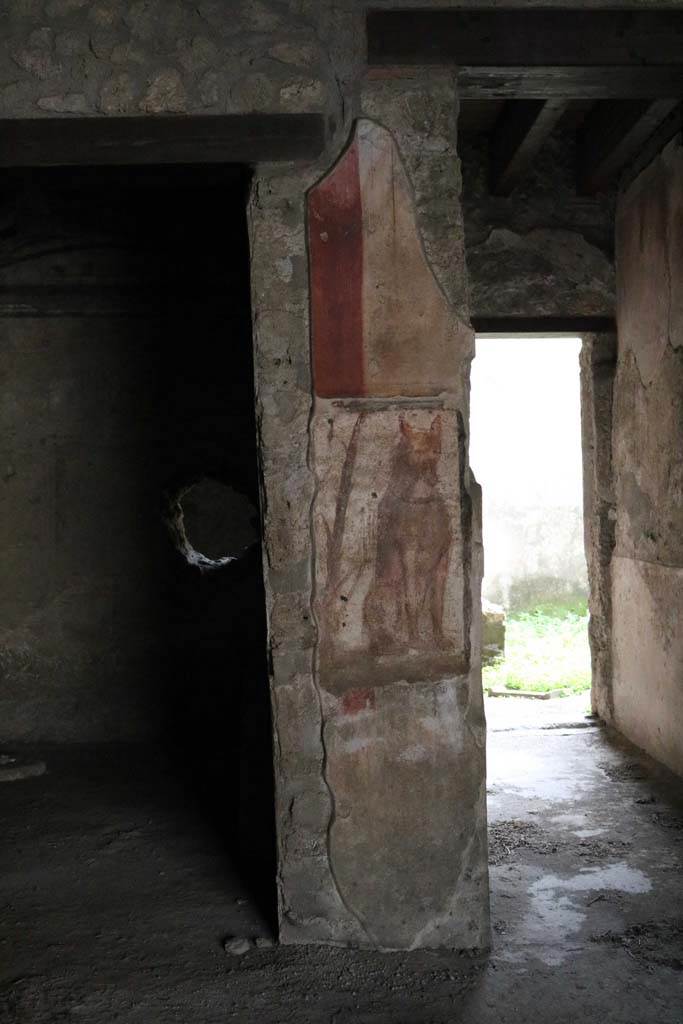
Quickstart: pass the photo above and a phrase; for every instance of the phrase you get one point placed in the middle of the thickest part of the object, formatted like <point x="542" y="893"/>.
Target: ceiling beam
<point x="585" y="83"/>
<point x="670" y="127"/>
<point x="612" y="134"/>
<point x="537" y="54"/>
<point x="532" y="37"/>
<point x="106" y="141"/>
<point x="521" y="129"/>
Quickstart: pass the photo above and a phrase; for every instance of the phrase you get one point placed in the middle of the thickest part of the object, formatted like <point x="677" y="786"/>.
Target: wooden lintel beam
<point x="521" y="129"/>
<point x="614" y="133"/>
<point x="107" y="141"/>
<point x="543" y="325"/>
<point x="525" y="37"/>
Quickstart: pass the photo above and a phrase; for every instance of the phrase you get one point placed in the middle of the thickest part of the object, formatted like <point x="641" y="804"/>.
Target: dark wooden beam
<point x="585" y="83"/>
<point x="670" y="127"/>
<point x="543" y="324"/>
<point x="530" y="37"/>
<point x="614" y="133"/>
<point x="534" y="53"/>
<point x="521" y="129"/>
<point x="101" y="141"/>
<point x="155" y="177"/>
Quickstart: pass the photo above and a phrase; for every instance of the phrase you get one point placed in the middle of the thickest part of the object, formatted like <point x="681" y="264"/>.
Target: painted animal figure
<point x="404" y="606"/>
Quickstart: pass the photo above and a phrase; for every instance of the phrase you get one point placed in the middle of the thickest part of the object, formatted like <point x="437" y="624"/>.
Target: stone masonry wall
<point x="117" y="57"/>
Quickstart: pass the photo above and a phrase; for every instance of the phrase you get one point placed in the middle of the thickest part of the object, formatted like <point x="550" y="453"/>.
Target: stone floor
<point x="115" y="899"/>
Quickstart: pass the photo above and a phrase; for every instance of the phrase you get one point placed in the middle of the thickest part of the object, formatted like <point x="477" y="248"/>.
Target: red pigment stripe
<point x="335" y="246"/>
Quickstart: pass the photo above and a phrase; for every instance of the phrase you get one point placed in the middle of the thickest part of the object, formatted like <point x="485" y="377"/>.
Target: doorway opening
<point x="134" y="610"/>
<point x="526" y="454"/>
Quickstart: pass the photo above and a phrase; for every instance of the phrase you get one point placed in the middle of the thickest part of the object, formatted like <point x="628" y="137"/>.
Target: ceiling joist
<point x="671" y="126"/>
<point x="612" y="135"/>
<point x="518" y="135"/>
<point x="630" y="63"/>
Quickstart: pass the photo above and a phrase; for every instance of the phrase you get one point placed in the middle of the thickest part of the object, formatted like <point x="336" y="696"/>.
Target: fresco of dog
<point x="404" y="606"/>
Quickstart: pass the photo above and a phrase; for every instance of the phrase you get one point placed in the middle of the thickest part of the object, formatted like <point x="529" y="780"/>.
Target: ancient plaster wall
<point x="368" y="738"/>
<point x="543" y="250"/>
<point x="598" y="362"/>
<point x="647" y="568"/>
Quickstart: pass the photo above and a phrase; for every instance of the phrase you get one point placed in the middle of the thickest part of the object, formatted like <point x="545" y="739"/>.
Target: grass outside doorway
<point x="546" y="648"/>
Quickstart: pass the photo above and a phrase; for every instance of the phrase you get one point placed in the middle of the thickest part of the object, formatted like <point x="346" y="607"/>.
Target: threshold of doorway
<point x="494" y="691"/>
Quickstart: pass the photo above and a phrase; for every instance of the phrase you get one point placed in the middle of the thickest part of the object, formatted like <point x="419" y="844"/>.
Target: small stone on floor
<point x="236" y="946"/>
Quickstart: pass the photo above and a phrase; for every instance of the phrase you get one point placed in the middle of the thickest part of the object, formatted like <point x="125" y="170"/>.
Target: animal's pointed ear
<point x="435" y="429"/>
<point x="406" y="429"/>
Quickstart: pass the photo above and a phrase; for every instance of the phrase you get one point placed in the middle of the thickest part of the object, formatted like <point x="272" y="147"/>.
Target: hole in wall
<point x="212" y="524"/>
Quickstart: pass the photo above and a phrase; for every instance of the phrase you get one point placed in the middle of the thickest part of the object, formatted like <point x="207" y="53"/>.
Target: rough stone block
<point x="211" y="89"/>
<point x="493" y="631"/>
<point x="38" y="61"/>
<point x="71" y="103"/>
<point x="69" y="44"/>
<point x="165" y="94"/>
<point x="198" y="54"/>
<point x="303" y="94"/>
<point x="253" y="93"/>
<point x="117" y="95"/>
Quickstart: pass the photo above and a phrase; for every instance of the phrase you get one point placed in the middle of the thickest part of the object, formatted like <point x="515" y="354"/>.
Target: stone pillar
<point x="372" y="569"/>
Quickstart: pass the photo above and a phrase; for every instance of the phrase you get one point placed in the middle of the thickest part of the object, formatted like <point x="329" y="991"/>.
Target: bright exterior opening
<point x="525" y="451"/>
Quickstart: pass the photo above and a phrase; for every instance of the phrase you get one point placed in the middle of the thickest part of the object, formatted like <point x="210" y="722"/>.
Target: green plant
<point x="546" y="648"/>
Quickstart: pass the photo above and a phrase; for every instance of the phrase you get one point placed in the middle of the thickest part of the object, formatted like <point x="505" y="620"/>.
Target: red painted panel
<point x="335" y="246"/>
<point x="355" y="701"/>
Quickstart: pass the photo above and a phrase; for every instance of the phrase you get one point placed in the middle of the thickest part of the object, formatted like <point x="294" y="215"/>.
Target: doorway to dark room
<point x="130" y="445"/>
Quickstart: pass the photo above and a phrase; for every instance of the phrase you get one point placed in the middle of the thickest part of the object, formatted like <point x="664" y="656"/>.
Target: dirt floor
<point x="116" y="899"/>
